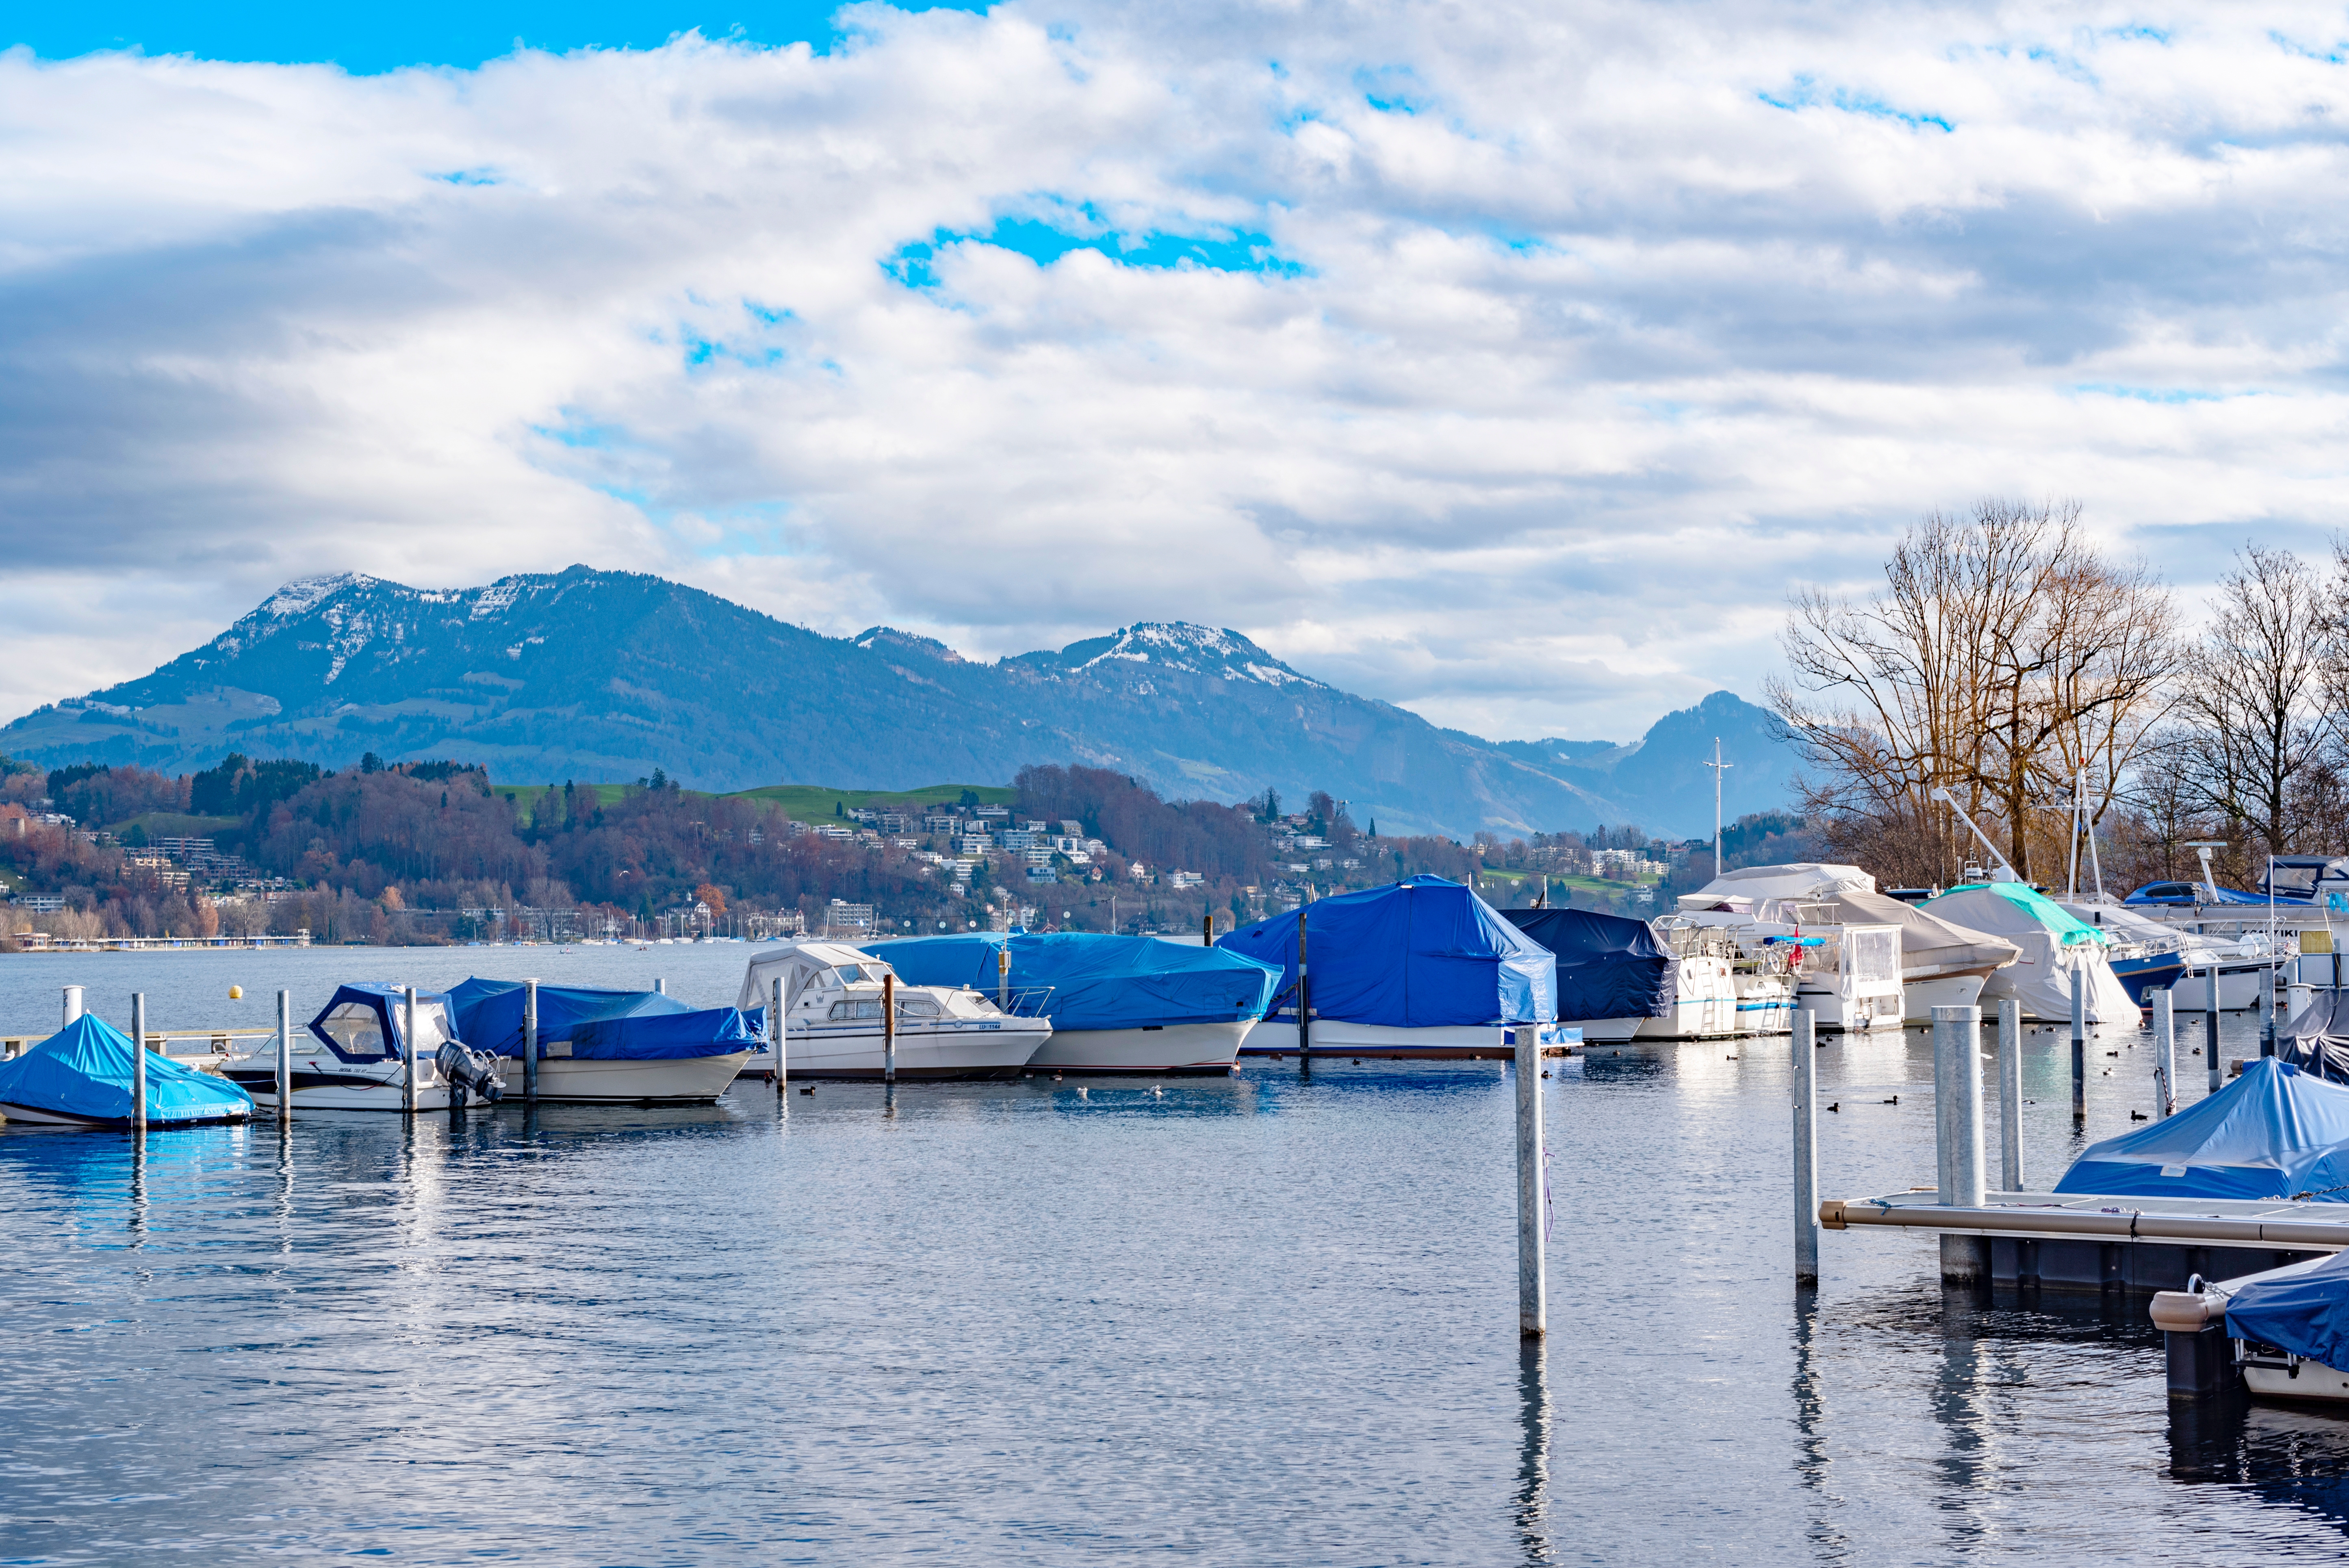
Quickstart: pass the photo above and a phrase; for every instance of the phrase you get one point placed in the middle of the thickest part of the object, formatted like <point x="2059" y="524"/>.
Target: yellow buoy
<point x="236" y="992"/>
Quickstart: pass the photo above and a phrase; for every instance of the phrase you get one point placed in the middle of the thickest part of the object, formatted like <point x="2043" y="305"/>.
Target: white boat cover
<point x="2053" y="944"/>
<point x="1805" y="879"/>
<point x="796" y="964"/>
<point x="2128" y="924"/>
<point x="1929" y="945"/>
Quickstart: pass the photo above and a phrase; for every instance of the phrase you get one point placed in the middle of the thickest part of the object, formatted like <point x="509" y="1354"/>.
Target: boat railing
<point x="1025" y="1001"/>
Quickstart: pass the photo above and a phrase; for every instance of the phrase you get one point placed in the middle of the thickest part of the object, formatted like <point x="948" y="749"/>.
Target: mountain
<point x="605" y="675"/>
<point x="1664" y="782"/>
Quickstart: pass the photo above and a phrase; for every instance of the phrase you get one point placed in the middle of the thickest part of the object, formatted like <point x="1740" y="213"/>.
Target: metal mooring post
<point x="408" y="1050"/>
<point x="1807" y="1150"/>
<point x="2165" y="1052"/>
<point x="2079" y="1046"/>
<point x="284" y="1058"/>
<point x="2010" y="1095"/>
<point x="530" y="1042"/>
<point x="1533" y="1293"/>
<point x="2210" y="1026"/>
<point x="1304" y="999"/>
<point x="1957" y="1116"/>
<point x="775" y="1026"/>
<point x="73" y="1002"/>
<point x="139" y="1061"/>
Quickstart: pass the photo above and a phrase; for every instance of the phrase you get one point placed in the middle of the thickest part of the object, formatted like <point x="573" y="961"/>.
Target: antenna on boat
<point x="2202" y="848"/>
<point x="2000" y="870"/>
<point x="1719" y="767"/>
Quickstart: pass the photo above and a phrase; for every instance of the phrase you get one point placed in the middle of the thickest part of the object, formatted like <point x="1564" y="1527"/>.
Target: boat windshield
<point x="2291" y="880"/>
<point x="850" y="974"/>
<point x="355" y="1030"/>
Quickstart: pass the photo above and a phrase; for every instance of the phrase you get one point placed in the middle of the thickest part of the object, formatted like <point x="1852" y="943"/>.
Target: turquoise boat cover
<point x="1417" y="955"/>
<point x="2305" y="1314"/>
<point x="84" y="1069"/>
<point x="1098" y="980"/>
<point x="602" y="1025"/>
<point x="2275" y="1132"/>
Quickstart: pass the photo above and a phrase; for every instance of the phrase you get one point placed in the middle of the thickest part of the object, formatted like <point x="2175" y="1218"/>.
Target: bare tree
<point x="2254" y="695"/>
<point x="2004" y="657"/>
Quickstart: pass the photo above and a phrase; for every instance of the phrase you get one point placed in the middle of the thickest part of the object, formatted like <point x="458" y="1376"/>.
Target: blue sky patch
<point x="2153" y="393"/>
<point x="1239" y="251"/>
<point x="471" y="177"/>
<point x="1804" y="93"/>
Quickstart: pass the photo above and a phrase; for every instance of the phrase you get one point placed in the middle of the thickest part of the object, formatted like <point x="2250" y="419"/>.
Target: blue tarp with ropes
<point x="1098" y="980"/>
<point x="84" y="1070"/>
<point x="603" y="1026"/>
<point x="1608" y="966"/>
<point x="2306" y="1313"/>
<point x="2275" y="1132"/>
<point x="1423" y="954"/>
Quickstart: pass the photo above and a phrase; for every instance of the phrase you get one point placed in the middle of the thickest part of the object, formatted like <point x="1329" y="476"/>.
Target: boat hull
<point x="37" y="1116"/>
<point x="1337" y="1037"/>
<point x="567" y="1081"/>
<point x="1603" y="1031"/>
<point x="2239" y="987"/>
<point x="1172" y="1048"/>
<point x="2149" y="973"/>
<point x="2274" y="1377"/>
<point x="316" y="1088"/>
<point x="990" y="1048"/>
<point x="1920" y="997"/>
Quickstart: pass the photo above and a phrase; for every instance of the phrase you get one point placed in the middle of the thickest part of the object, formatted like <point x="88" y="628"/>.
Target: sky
<point x="1510" y="362"/>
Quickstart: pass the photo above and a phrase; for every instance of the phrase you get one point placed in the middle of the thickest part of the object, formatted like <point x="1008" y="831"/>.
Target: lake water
<point x="1256" y="1320"/>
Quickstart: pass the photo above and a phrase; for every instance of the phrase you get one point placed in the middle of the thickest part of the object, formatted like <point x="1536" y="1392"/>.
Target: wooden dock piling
<point x="889" y="1026"/>
<point x="775" y="1032"/>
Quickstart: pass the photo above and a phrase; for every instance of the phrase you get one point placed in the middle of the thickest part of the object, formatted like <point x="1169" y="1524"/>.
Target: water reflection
<point x="1533" y="1459"/>
<point x="2284" y="1454"/>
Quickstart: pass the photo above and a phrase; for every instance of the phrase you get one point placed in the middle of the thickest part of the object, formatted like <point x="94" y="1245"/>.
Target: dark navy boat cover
<point x="1098" y="980"/>
<point x="2275" y="1132"/>
<point x="2306" y="1313"/>
<point x="603" y="1026"/>
<point x="1423" y="954"/>
<point x="2316" y="1039"/>
<point x="1608" y="966"/>
<point x="84" y="1070"/>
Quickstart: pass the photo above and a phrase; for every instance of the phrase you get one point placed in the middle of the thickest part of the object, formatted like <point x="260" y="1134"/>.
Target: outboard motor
<point x="468" y="1071"/>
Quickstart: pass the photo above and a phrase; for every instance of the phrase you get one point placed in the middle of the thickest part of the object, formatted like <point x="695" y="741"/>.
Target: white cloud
<point x="1588" y="333"/>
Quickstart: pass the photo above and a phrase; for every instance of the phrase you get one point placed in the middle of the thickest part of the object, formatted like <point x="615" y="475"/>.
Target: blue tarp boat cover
<point x="2275" y="1132"/>
<point x="1098" y="980"/>
<point x="1423" y="954"/>
<point x="1608" y="966"/>
<point x="2306" y="1313"/>
<point x="603" y="1026"/>
<point x="84" y="1069"/>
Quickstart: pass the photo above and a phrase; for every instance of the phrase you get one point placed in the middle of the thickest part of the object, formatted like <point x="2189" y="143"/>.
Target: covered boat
<point x="2275" y="1132"/>
<point x="355" y="1056"/>
<point x="1117" y="1004"/>
<point x="2288" y="1318"/>
<point x="1846" y="973"/>
<point x="1943" y="963"/>
<point x="81" y="1077"/>
<point x="1423" y="968"/>
<point x="832" y="1012"/>
<point x="1613" y="973"/>
<point x="596" y="1046"/>
<point x="2053" y="945"/>
<point x="2316" y="1039"/>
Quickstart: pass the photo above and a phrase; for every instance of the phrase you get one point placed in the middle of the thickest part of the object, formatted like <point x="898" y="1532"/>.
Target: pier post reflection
<point x="1960" y="1405"/>
<point x="138" y="1216"/>
<point x="1533" y="1462"/>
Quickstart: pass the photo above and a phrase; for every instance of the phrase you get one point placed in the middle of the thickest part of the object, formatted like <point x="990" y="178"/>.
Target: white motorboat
<point x="1118" y="1004"/>
<point x="831" y="1013"/>
<point x="354" y="1057"/>
<point x="1277" y="1036"/>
